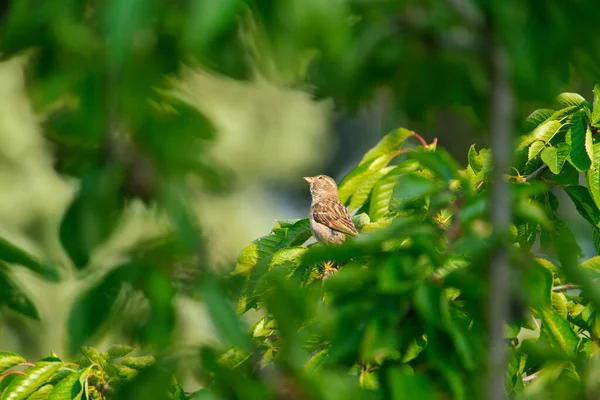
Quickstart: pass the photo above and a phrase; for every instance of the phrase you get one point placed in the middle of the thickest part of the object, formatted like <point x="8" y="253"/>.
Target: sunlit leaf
<point x="595" y="118"/>
<point x="537" y="117"/>
<point x="555" y="157"/>
<point x="24" y="385"/>
<point x="8" y="360"/>
<point x="542" y="134"/>
<point x="558" y="332"/>
<point x="593" y="176"/>
<point x="572" y="99"/>
<point x="383" y="190"/>
<point x="70" y="387"/>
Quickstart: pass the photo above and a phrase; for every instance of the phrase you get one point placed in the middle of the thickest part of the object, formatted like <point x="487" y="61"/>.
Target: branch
<point x="536" y="173"/>
<point x="501" y="123"/>
<point x="567" y="286"/>
<point x="531" y="377"/>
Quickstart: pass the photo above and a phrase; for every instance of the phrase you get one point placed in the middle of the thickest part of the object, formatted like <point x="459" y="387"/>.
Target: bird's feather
<point x="333" y="214"/>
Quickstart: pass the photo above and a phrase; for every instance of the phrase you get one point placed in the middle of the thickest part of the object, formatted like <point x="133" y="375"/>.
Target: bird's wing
<point x="334" y="215"/>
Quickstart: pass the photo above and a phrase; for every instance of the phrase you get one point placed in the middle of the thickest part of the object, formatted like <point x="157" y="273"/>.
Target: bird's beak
<point x="309" y="179"/>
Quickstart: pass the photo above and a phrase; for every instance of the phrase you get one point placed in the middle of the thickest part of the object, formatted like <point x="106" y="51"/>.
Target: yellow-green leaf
<point x="555" y="157"/>
<point x="559" y="333"/>
<point x="592" y="176"/>
<point x="24" y="385"/>
<point x="70" y="387"/>
<point x="543" y="134"/>
<point x="8" y="360"/>
<point x="571" y="99"/>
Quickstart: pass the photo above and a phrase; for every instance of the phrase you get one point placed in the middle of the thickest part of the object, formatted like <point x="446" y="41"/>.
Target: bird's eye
<point x="320" y="178"/>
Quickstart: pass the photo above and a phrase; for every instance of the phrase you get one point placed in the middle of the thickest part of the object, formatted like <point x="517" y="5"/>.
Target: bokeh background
<point x="282" y="89"/>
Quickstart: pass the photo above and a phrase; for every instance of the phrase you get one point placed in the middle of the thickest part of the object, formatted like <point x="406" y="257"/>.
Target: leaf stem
<point x="420" y="138"/>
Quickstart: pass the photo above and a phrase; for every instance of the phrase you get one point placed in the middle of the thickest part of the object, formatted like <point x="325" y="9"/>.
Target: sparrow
<point x="329" y="219"/>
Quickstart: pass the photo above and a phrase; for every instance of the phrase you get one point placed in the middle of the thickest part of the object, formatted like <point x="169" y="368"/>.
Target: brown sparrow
<point x="329" y="219"/>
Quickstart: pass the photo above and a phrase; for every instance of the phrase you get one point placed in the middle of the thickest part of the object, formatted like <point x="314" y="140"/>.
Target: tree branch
<point x="567" y="286"/>
<point x="536" y="173"/>
<point x="531" y="377"/>
<point x="501" y="122"/>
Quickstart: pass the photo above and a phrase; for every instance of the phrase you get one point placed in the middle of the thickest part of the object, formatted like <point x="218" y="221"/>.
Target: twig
<point x="536" y="173"/>
<point x="537" y="324"/>
<point x="501" y="122"/>
<point x="566" y="286"/>
<point x="531" y="377"/>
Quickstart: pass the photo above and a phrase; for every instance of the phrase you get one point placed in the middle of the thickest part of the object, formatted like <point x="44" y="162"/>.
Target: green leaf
<point x="42" y="393"/>
<point x="584" y="203"/>
<point x="372" y="162"/>
<point x="414" y="186"/>
<point x="360" y="196"/>
<point x="555" y="157"/>
<point x="559" y="334"/>
<point x="531" y="211"/>
<point x="8" y="360"/>
<point x="316" y="360"/>
<point x="568" y="175"/>
<point x="24" y="385"/>
<point x="591" y="263"/>
<point x="389" y="144"/>
<point x="572" y="99"/>
<point x="475" y="161"/>
<point x="91" y="310"/>
<point x="383" y="190"/>
<point x="596" y="239"/>
<point x="563" y="115"/>
<point x="439" y="162"/>
<point x="222" y="314"/>
<point x="14" y="255"/>
<point x="13" y="297"/>
<point x="404" y="385"/>
<point x="542" y="135"/>
<point x="70" y="387"/>
<point x="526" y="235"/>
<point x="537" y="117"/>
<point x="592" y="176"/>
<point x="139" y="363"/>
<point x="595" y="118"/>
<point x="580" y="138"/>
<point x="119" y="350"/>
<point x="559" y="304"/>
<point x="93" y="214"/>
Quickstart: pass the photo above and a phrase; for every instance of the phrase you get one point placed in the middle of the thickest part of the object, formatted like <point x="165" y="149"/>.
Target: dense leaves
<point x="95" y="376"/>
<point x="404" y="316"/>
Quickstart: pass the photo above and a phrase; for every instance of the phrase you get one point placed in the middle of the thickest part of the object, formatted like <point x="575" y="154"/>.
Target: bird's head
<point x="322" y="186"/>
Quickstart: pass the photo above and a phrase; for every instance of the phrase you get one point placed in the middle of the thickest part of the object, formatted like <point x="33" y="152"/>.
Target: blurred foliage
<point x="406" y="315"/>
<point x="94" y="376"/>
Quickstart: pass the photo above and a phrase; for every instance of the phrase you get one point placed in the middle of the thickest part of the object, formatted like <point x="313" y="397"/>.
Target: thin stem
<point x="420" y="138"/>
<point x="567" y="286"/>
<point x="531" y="377"/>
